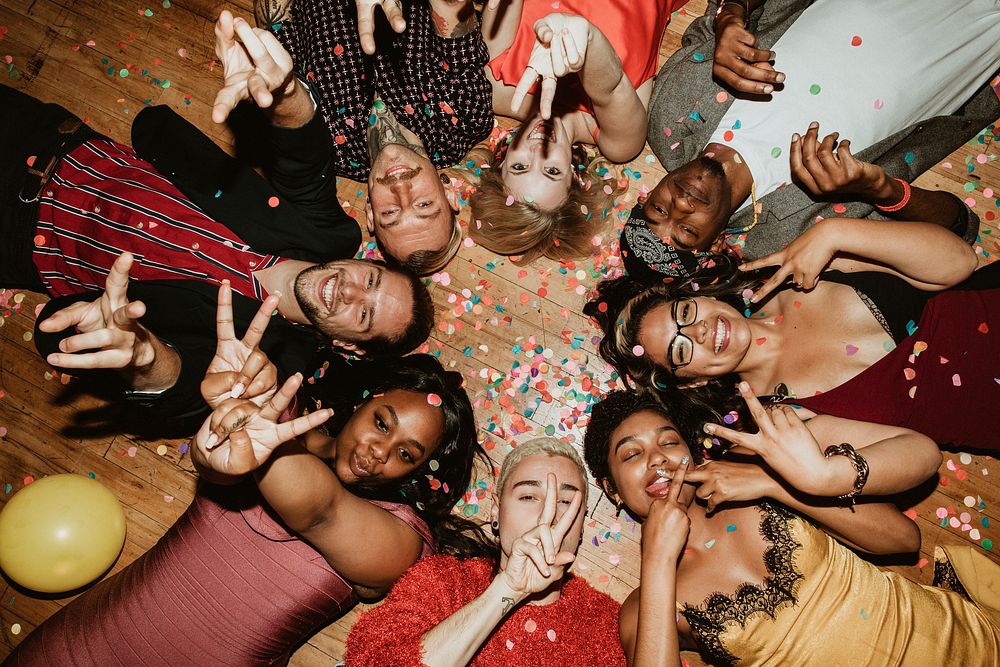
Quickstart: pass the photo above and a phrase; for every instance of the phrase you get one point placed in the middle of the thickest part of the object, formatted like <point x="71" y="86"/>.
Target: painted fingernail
<point x="744" y="387"/>
<point x="237" y="390"/>
<point x="212" y="439"/>
<point x="684" y="460"/>
<point x="660" y="472"/>
<point x="708" y="428"/>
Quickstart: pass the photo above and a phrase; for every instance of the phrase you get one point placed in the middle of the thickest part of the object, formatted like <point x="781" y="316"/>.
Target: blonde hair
<point x="530" y="231"/>
<point x="425" y="262"/>
<point x="548" y="447"/>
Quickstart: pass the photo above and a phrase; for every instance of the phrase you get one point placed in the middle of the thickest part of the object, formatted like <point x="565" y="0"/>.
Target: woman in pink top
<point x="286" y="536"/>
<point x="535" y="197"/>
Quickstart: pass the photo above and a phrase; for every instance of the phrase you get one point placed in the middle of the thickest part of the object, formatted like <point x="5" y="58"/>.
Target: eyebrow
<point x="371" y="308"/>
<point x="630" y="438"/>
<point x="565" y="486"/>
<point x="431" y="215"/>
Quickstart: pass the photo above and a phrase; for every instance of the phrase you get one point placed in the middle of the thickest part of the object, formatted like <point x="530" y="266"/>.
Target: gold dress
<point x="823" y="605"/>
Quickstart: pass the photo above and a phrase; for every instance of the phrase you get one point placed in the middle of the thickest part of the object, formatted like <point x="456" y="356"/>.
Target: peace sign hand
<point x="255" y="66"/>
<point x="109" y="333"/>
<point x="366" y="20"/>
<point x="786" y="445"/>
<point x="665" y="530"/>
<point x="239" y="436"/>
<point x="802" y="260"/>
<point x="560" y="48"/>
<point x="534" y="562"/>
<point x="240" y="367"/>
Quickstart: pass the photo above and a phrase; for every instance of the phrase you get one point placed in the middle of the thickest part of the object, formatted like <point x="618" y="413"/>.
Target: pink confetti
<point x="851" y="350"/>
<point x="509" y="201"/>
<point x="909" y="373"/>
<point x="433" y="400"/>
<point x="273" y="201"/>
<point x="551" y="635"/>
<point x="614" y="559"/>
<point x="182" y="52"/>
<point x="638" y="350"/>
<point x="956" y="380"/>
<point x="879" y="104"/>
<point x="509" y="645"/>
<point x="530" y="626"/>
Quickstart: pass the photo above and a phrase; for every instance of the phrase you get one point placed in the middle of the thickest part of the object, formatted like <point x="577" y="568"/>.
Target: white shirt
<point x="866" y="69"/>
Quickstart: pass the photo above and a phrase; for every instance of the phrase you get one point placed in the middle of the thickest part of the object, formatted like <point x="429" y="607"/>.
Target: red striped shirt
<point x="103" y="199"/>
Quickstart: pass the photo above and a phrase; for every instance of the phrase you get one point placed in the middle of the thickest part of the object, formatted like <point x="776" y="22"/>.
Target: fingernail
<point x="742" y="267"/>
<point x="684" y="460"/>
<point x="708" y="428"/>
<point x="212" y="439"/>
<point x="813" y="125"/>
<point x="768" y="89"/>
<point x="795" y="137"/>
<point x="780" y="78"/>
<point x="237" y="390"/>
<point x="744" y="387"/>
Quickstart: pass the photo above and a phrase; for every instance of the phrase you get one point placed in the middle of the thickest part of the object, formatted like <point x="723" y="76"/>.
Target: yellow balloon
<point x="60" y="532"/>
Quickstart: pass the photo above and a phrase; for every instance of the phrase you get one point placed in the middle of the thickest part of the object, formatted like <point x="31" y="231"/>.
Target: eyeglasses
<point x="680" y="351"/>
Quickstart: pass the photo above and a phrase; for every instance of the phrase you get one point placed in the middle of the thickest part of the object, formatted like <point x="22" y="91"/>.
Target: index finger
<point x="116" y="284"/>
<point x="771" y="283"/>
<point x="258" y="325"/>
<point x="366" y="28"/>
<point x="678" y="481"/>
<point x="549" y="507"/>
<point x="757" y="411"/>
<point x="548" y="95"/>
<point x="568" y="517"/>
<point x="224" y="313"/>
<point x="523" y="86"/>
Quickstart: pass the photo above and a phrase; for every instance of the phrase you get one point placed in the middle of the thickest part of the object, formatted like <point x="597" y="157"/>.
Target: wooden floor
<point x="517" y="334"/>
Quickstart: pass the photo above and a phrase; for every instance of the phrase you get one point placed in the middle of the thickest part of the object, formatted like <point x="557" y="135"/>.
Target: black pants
<point x="27" y="128"/>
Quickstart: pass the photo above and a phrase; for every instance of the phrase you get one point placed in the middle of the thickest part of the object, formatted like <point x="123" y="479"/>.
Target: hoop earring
<point x="496" y="526"/>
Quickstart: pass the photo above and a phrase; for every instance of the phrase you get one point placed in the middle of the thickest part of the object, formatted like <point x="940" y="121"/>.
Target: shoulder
<point x="442" y="572"/>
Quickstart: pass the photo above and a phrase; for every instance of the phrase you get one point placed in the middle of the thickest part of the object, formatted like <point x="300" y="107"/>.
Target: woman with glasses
<point x="883" y="322"/>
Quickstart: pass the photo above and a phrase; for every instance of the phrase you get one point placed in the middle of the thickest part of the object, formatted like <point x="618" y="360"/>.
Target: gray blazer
<point x="684" y="103"/>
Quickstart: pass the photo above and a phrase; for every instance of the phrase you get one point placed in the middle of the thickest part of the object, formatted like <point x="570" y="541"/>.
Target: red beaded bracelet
<point x="902" y="202"/>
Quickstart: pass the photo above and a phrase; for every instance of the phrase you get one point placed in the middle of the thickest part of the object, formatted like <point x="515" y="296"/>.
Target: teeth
<point x="720" y="334"/>
<point x="328" y="293"/>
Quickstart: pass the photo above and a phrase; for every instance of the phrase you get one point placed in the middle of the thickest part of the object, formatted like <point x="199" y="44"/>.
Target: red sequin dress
<point x="581" y="628"/>
<point x="226" y="585"/>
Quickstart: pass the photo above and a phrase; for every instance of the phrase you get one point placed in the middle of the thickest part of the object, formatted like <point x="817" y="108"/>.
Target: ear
<point x="641" y="199"/>
<point x="347" y="347"/>
<point x="611" y="493"/>
<point x="693" y="384"/>
<point x="719" y="244"/>
<point x="370" y="215"/>
<point x="494" y="507"/>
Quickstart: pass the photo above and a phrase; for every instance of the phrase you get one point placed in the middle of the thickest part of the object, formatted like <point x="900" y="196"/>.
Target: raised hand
<point x="802" y="260"/>
<point x="727" y="481"/>
<point x="737" y="62"/>
<point x="366" y="20"/>
<point x="665" y="530"/>
<point x="255" y="66"/>
<point x="828" y="168"/>
<point x="537" y="558"/>
<point x="786" y="445"/>
<point x="239" y="436"/>
<point x="240" y="368"/>
<point x="560" y="48"/>
<point x="109" y="333"/>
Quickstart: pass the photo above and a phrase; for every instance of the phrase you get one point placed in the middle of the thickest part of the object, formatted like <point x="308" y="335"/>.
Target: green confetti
<point x="814" y="89"/>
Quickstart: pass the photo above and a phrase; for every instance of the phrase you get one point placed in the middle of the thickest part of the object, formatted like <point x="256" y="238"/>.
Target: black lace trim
<point x="867" y="300"/>
<point x="946" y="578"/>
<point x="710" y="619"/>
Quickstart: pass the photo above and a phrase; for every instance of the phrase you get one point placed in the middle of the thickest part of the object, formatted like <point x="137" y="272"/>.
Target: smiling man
<point x="860" y="99"/>
<point x="399" y="103"/>
<point x="133" y="244"/>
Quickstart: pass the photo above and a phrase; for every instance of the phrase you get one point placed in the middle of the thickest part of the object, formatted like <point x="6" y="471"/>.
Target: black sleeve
<point x="307" y="221"/>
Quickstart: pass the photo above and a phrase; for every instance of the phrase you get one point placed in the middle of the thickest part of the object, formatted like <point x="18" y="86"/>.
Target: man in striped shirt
<point x="132" y="250"/>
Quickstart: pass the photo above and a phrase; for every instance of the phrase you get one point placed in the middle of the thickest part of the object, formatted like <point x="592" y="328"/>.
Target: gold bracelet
<point x="859" y="463"/>
<point x="745" y="4"/>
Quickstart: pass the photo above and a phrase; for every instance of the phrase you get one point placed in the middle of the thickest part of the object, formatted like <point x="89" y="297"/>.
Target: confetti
<point x="638" y="350"/>
<point x="433" y="400"/>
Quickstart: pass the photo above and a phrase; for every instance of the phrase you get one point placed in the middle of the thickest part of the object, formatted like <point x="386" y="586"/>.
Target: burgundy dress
<point x="226" y="585"/>
<point x="943" y="379"/>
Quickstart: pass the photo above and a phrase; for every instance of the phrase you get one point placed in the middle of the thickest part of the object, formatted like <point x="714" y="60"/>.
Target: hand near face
<point x="560" y="48"/>
<point x="255" y="66"/>
<point x="726" y="481"/>
<point x="802" y="260"/>
<point x="665" y="530"/>
<point x="537" y="558"/>
<point x="239" y="436"/>
<point x="737" y="61"/>
<point x="109" y="333"/>
<point x="240" y="368"/>
<point x="786" y="445"/>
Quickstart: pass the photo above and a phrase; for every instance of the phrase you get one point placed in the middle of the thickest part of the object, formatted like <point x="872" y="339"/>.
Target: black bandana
<point x="648" y="259"/>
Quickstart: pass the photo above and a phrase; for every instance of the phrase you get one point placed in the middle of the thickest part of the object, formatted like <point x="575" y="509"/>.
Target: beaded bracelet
<point x="902" y="202"/>
<point x="859" y="463"/>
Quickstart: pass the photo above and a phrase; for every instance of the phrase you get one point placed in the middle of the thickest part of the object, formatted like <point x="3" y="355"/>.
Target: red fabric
<point x="102" y="190"/>
<point x="584" y="621"/>
<point x="634" y="28"/>
<point x="955" y="381"/>
<point x="226" y="585"/>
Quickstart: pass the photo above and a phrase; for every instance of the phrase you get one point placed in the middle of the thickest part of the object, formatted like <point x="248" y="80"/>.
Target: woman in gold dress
<point x="736" y="550"/>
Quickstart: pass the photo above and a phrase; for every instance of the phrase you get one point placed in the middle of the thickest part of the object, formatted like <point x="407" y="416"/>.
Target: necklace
<point x="756" y="211"/>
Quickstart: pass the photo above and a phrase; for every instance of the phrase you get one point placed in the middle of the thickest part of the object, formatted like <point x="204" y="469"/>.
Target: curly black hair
<point x="617" y="406"/>
<point x="453" y="463"/>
